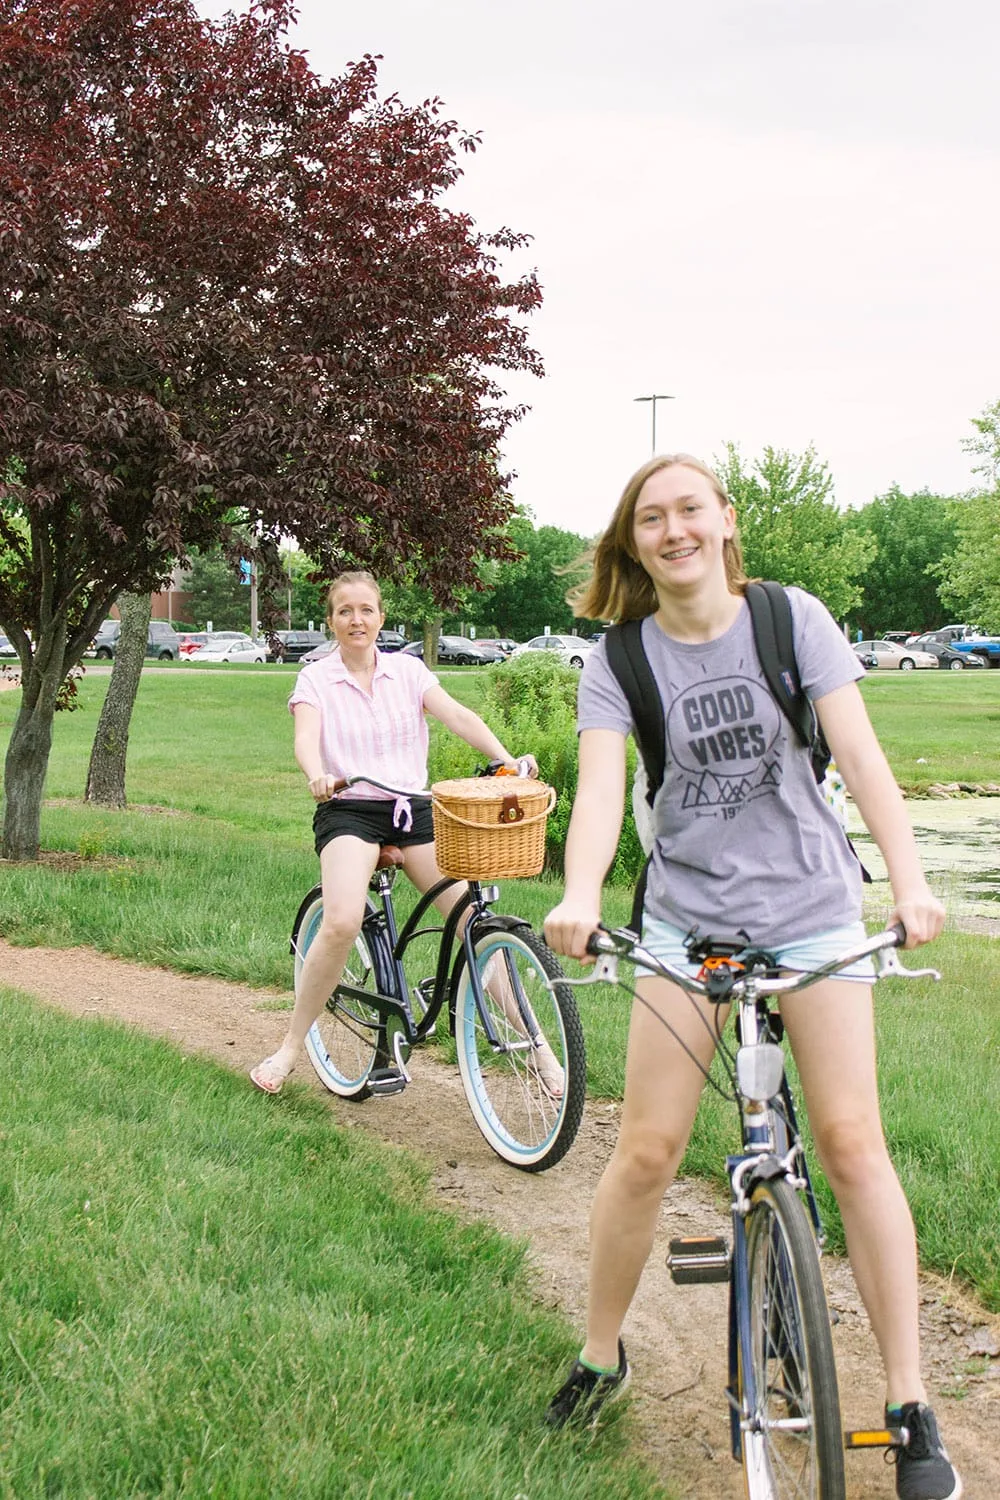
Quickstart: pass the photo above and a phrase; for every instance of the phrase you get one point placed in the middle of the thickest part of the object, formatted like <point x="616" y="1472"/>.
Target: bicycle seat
<point x="389" y="857"/>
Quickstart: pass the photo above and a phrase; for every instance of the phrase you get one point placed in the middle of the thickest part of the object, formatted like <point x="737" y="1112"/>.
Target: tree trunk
<point x="27" y="759"/>
<point x="106" y="775"/>
<point x="432" y="629"/>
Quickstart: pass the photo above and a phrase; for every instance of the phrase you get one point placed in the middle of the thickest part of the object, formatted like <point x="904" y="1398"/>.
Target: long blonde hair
<point x="619" y="588"/>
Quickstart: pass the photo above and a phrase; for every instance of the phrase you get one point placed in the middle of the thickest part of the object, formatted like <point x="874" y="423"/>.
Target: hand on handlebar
<point x="921" y="916"/>
<point x="569" y="928"/>
<point x="323" y="787"/>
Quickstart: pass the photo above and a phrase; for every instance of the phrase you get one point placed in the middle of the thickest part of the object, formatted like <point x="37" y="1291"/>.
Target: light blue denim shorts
<point x="666" y="943"/>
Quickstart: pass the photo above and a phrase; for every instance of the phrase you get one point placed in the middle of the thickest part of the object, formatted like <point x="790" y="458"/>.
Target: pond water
<point x="959" y="841"/>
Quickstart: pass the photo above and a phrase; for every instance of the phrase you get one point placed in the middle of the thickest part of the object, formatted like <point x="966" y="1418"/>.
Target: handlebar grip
<point x="600" y="942"/>
<point x="899" y="933"/>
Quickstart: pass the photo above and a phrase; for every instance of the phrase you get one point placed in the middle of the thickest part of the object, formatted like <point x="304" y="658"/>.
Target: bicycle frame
<point x="392" y="999"/>
<point x="759" y="1159"/>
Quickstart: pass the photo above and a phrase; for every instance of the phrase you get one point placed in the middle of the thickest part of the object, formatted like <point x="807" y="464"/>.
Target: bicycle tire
<point x="343" y="1042"/>
<point x="792" y="1443"/>
<point x="518" y="1116"/>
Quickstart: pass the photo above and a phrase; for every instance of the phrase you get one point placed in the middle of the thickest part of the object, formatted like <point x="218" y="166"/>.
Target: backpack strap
<point x="629" y="663"/>
<point x="771" y="616"/>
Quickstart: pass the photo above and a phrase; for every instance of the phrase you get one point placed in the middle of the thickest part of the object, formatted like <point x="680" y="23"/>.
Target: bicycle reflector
<point x="759" y="1071"/>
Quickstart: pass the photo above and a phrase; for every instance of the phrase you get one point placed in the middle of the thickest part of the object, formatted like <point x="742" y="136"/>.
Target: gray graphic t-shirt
<point x="743" y="835"/>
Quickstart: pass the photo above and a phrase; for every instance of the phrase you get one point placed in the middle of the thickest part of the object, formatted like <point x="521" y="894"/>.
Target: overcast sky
<point x="782" y="213"/>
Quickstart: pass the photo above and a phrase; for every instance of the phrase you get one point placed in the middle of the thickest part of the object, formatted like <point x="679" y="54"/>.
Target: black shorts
<point x="370" y="819"/>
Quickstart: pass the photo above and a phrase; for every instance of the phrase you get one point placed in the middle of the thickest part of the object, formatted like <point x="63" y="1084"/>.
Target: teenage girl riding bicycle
<point x="744" y="839"/>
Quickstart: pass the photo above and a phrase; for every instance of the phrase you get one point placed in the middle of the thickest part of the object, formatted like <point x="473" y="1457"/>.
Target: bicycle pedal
<point x="695" y="1259"/>
<point x="874" y="1437"/>
<point x="386" y="1081"/>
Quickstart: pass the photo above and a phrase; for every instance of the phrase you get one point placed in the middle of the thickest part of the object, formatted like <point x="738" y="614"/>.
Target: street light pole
<point x="653" y="400"/>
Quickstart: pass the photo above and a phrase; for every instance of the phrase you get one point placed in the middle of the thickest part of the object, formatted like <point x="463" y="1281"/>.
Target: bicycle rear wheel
<point x="511" y="1084"/>
<point x="793" y="1447"/>
<point x="343" y="1043"/>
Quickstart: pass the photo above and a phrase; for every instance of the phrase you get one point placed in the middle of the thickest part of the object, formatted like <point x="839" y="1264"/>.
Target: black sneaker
<point x="923" y="1468"/>
<point x="580" y="1400"/>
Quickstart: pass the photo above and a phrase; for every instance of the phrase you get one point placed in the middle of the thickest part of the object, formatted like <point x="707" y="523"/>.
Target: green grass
<point x="937" y="726"/>
<point x="201" y="1297"/>
<point x="212" y="884"/>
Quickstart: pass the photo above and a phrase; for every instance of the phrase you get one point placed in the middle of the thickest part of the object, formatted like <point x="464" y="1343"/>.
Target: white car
<point x="229" y="647"/>
<point x="572" y="648"/>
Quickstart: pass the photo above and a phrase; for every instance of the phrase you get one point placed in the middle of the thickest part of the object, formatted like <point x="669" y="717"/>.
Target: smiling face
<point x="355" y="616"/>
<point x="679" y="528"/>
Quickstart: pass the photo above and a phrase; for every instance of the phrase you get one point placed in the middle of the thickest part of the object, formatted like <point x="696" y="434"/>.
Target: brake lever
<point x="887" y="963"/>
<point x="603" y="971"/>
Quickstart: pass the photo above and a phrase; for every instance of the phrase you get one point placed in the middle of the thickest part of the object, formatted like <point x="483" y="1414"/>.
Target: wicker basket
<point x="491" y="827"/>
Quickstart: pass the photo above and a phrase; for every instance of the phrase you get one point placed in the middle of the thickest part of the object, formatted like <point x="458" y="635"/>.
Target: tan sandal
<point x="269" y="1076"/>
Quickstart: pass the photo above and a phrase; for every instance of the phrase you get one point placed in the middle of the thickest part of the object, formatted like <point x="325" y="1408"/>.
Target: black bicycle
<point x="782" y="1387"/>
<point x="517" y="1033"/>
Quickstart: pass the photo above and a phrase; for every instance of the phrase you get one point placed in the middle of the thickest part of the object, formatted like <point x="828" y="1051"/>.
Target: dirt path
<point x="675" y="1335"/>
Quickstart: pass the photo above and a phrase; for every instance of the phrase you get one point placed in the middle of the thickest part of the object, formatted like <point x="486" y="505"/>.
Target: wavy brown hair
<point x="619" y="588"/>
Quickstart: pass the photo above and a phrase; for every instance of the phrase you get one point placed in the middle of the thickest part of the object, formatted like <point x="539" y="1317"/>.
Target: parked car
<point x="502" y="643"/>
<point x="868" y="659"/>
<point x="948" y="634"/>
<point x="390" y="640"/>
<point x="947" y="656"/>
<point x="891" y="654"/>
<point x="491" y="652"/>
<point x="229" y="646"/>
<point x="986" y="648"/>
<point x="295" y="644"/>
<point x="6" y="649"/>
<point x="318" y="652"/>
<point x="901" y="637"/>
<point x="162" y="641"/>
<point x="572" y="648"/>
<point x="453" y="651"/>
<point x="192" y="642"/>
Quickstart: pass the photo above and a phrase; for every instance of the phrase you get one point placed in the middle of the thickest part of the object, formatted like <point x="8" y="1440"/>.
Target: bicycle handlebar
<point x="495" y="768"/>
<point x="342" y="784"/>
<point x="610" y="945"/>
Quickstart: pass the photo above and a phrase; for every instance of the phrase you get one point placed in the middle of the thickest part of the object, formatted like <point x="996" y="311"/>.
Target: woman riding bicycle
<point x="358" y="711"/>
<point x="744" y="840"/>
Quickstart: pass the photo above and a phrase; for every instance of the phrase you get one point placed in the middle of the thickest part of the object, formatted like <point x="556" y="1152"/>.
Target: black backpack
<point x="771" y="617"/>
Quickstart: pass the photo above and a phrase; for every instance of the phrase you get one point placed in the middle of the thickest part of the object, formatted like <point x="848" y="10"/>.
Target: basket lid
<point x="491" y="788"/>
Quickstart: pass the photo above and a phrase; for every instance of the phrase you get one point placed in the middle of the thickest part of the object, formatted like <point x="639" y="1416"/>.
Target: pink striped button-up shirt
<point x="383" y="735"/>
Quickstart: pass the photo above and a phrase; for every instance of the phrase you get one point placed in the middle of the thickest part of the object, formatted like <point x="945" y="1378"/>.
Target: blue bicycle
<point x="782" y="1386"/>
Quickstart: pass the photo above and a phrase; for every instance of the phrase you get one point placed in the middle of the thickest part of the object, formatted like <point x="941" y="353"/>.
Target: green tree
<point x="227" y="285"/>
<point x="914" y="535"/>
<point x="522" y="596"/>
<point x="791" y="528"/>
<point x="970" y="578"/>
<point x="217" y="592"/>
<point x="986" y="446"/>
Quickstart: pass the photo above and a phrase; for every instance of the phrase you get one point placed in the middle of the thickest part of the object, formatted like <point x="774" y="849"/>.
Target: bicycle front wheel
<point x="526" y="1082"/>
<point x="793" y="1447"/>
<point x="342" y="1044"/>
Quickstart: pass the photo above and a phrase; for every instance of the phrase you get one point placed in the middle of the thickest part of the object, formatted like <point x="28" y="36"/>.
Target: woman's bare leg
<point x="346" y="865"/>
<point x="662" y="1089"/>
<point x="831" y="1031"/>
